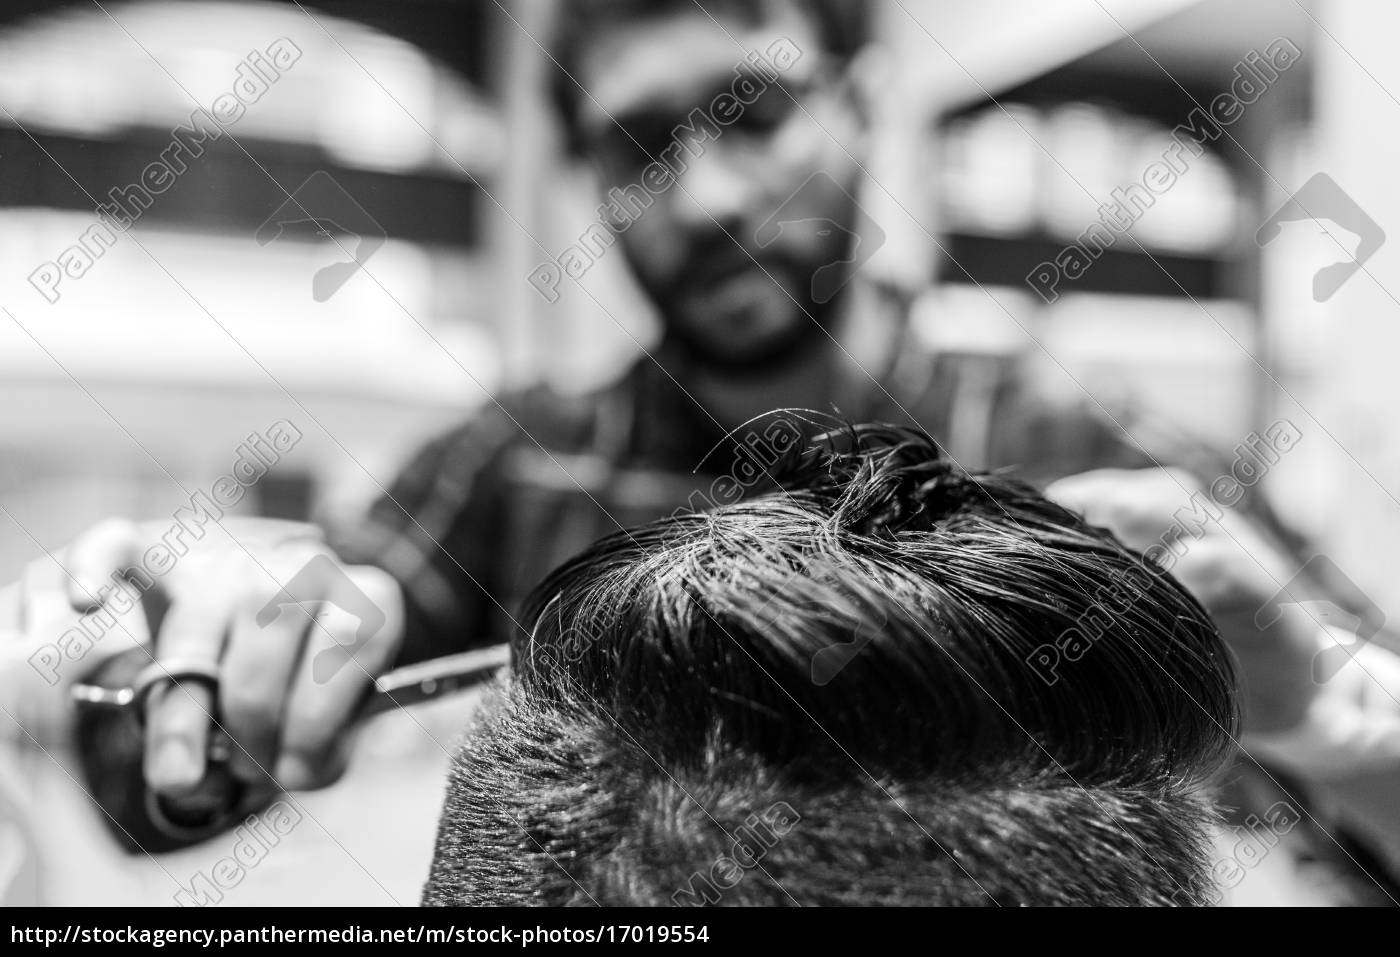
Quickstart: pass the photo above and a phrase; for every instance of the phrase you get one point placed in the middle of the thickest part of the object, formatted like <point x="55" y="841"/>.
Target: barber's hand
<point x="1232" y="569"/>
<point x="44" y="651"/>
<point x="297" y="638"/>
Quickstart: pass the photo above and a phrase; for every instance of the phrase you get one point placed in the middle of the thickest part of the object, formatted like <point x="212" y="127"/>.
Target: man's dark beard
<point x="809" y="333"/>
<point x="803" y="339"/>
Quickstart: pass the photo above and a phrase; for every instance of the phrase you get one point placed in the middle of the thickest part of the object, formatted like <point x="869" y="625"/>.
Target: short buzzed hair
<point x="821" y="695"/>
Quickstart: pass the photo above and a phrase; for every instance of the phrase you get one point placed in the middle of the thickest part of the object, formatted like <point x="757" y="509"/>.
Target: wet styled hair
<point x="823" y="695"/>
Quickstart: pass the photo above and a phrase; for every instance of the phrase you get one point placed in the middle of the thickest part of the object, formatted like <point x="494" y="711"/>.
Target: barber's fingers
<point x="1099" y="496"/>
<point x="344" y="651"/>
<point x="96" y="556"/>
<point x="1352" y="726"/>
<point x="38" y="608"/>
<point x="1104" y="492"/>
<point x="178" y="715"/>
<point x="11" y="618"/>
<point x="34" y="670"/>
<point x="43" y="604"/>
<point x="45" y="646"/>
<point x="1137" y="505"/>
<point x="260" y="663"/>
<point x="1075" y="491"/>
<point x="13" y="623"/>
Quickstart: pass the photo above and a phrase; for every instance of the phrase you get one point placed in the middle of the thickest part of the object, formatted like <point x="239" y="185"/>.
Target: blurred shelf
<point x="227" y="191"/>
<point x="1007" y="261"/>
<point x="458" y="33"/>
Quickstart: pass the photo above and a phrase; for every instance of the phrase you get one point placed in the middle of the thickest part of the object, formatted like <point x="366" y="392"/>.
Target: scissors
<point x="110" y="730"/>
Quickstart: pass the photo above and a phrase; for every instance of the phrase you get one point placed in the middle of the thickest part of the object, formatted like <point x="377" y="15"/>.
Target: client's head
<point x="822" y="695"/>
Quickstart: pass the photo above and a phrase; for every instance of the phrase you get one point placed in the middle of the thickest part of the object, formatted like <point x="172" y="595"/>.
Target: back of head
<point x="822" y="696"/>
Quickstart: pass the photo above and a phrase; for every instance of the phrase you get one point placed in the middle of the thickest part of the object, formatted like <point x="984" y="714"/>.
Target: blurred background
<point x="1002" y="128"/>
<point x="1002" y="132"/>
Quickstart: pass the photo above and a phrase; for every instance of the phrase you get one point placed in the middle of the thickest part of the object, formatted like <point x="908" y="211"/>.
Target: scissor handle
<point x="111" y="742"/>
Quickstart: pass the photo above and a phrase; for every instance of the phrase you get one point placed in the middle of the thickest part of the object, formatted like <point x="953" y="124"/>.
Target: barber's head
<point x="632" y="73"/>
<point x="822" y="695"/>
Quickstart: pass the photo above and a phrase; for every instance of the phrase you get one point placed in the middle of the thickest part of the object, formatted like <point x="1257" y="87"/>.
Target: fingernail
<point x="174" y="765"/>
<point x="293" y="773"/>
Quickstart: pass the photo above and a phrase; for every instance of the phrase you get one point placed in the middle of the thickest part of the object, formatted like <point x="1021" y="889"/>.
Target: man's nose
<point x="713" y="189"/>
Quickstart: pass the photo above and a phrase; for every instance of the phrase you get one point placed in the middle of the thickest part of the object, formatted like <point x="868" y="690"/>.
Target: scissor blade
<point x="434" y="678"/>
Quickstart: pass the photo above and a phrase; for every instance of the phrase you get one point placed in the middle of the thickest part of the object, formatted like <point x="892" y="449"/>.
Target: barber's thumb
<point x="96" y="559"/>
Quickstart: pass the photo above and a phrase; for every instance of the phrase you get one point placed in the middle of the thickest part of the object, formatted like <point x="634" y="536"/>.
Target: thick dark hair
<point x="842" y="27"/>
<point x="676" y="680"/>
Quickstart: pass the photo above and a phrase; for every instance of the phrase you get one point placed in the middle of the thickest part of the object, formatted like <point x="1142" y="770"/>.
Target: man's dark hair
<point x="842" y="28"/>
<point x="821" y="695"/>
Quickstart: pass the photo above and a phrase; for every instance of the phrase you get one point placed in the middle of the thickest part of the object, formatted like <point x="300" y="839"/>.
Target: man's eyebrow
<point x="746" y="72"/>
<point x="730" y="81"/>
<point x="642" y="116"/>
<point x="659" y="111"/>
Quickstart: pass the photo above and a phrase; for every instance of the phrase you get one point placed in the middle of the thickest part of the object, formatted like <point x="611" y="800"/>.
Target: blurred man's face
<point x="733" y="296"/>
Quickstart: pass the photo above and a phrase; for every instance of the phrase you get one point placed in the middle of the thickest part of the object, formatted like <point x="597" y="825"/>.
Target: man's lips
<point x="714" y="269"/>
<point x="763" y="273"/>
<point x="734" y="292"/>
